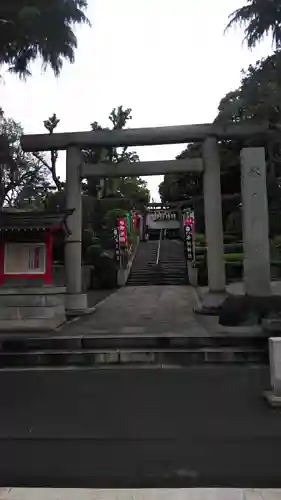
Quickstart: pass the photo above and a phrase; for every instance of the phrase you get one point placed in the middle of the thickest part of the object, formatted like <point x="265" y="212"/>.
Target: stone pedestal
<point x="192" y="274"/>
<point x="31" y="309"/>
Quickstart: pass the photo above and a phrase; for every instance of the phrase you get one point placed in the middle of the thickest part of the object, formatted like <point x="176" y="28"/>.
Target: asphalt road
<point x="205" y="426"/>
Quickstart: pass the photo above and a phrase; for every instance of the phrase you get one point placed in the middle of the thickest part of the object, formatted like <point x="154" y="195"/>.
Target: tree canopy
<point x="41" y="28"/>
<point x="257" y="99"/>
<point x="259" y="17"/>
<point x="23" y="176"/>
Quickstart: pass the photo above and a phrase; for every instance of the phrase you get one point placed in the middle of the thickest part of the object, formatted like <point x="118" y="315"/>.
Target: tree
<point x="51" y="124"/>
<point x="259" y="17"/>
<point x="133" y="187"/>
<point x="257" y="99"/>
<point x="259" y="96"/>
<point x="23" y="177"/>
<point x="38" y="28"/>
<point x="188" y="188"/>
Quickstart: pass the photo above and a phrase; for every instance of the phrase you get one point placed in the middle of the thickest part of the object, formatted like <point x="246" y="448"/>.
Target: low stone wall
<point x="31" y="309"/>
<point x="59" y="276"/>
<point x="123" y="274"/>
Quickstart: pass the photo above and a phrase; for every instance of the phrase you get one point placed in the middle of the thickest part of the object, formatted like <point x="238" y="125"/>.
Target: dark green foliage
<point x="257" y="99"/>
<point x="259" y="17"/>
<point x="234" y="270"/>
<point x="41" y="28"/>
<point x="111" y="216"/>
<point x="233" y="248"/>
<point x="25" y="179"/>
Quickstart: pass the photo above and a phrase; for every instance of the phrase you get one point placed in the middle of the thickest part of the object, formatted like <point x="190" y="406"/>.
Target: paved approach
<point x="143" y="310"/>
<point x="207" y="426"/>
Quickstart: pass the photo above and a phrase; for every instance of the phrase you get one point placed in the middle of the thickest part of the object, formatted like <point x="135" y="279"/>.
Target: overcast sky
<point x="168" y="60"/>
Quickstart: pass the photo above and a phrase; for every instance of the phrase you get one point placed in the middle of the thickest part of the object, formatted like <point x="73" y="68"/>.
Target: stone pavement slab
<point x="147" y="494"/>
<point x="143" y="310"/>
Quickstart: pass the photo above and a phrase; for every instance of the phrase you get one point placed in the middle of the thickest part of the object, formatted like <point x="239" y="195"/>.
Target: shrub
<point x="234" y="222"/>
<point x="233" y="248"/>
<point x="276" y="242"/>
<point x="233" y="257"/>
<point x="247" y="310"/>
<point x="111" y="216"/>
<point x="106" y="271"/>
<point x="200" y="251"/>
<point x="233" y="271"/>
<point x="230" y="237"/>
<point x="200" y="238"/>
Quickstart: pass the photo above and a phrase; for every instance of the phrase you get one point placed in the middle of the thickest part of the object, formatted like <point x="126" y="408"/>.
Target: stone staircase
<point x="158" y="351"/>
<point x="171" y="269"/>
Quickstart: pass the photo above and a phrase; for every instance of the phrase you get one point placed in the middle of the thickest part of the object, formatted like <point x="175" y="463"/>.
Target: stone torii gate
<point x="256" y="248"/>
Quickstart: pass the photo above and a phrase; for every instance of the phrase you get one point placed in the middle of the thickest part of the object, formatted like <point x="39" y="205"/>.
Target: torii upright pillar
<point x="76" y="301"/>
<point x="213" y="227"/>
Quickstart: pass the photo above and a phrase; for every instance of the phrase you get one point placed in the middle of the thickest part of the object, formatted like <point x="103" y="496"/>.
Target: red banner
<point x="122" y="230"/>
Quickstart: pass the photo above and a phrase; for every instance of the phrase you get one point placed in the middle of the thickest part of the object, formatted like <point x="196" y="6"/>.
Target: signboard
<point x="189" y="241"/>
<point x="25" y="258"/>
<point x="161" y="215"/>
<point x="117" y="244"/>
<point x="122" y="231"/>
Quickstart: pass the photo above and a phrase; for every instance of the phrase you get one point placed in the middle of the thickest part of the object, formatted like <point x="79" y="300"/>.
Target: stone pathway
<point x="143" y="310"/>
<point x="148" y="494"/>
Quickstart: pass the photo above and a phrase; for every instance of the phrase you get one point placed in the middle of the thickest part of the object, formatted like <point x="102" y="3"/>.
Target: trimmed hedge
<point x="233" y="257"/>
<point x="233" y="248"/>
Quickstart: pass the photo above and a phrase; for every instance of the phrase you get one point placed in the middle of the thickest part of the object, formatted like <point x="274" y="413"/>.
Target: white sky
<point x="168" y="60"/>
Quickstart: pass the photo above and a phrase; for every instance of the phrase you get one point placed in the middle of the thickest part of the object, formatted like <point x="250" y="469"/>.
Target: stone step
<point x="99" y="340"/>
<point x="149" y="279"/>
<point x="165" y="279"/>
<point x="163" y="358"/>
<point x="139" y="274"/>
<point x="159" y="283"/>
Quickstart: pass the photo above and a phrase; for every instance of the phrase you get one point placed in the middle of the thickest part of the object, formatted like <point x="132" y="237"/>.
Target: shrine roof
<point x="15" y="219"/>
